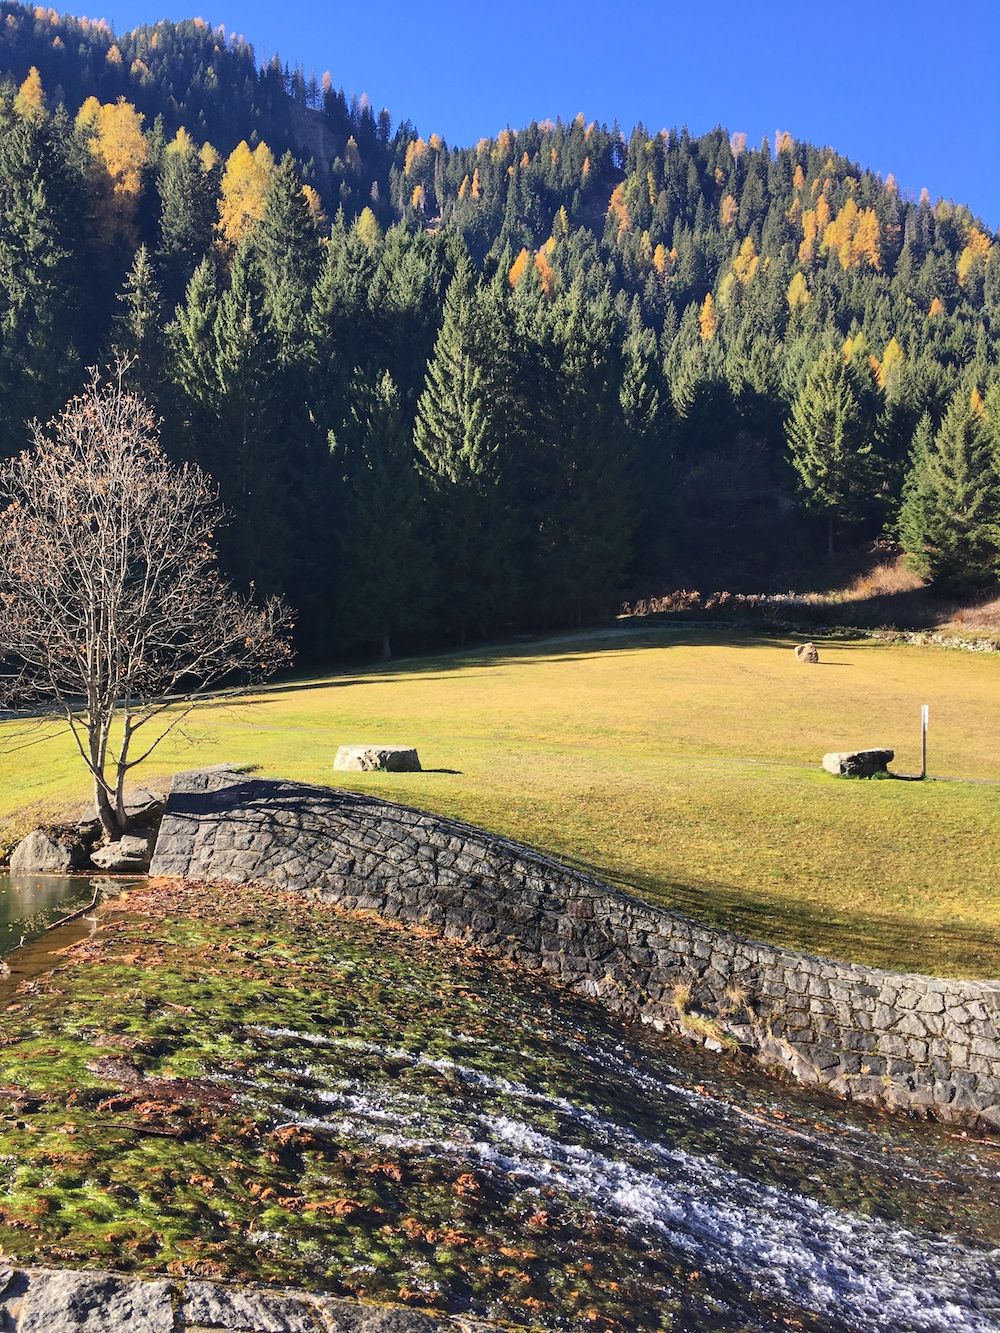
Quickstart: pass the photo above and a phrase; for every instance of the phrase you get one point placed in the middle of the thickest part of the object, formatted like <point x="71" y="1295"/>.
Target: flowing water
<point x="30" y="903"/>
<point x="436" y="1128"/>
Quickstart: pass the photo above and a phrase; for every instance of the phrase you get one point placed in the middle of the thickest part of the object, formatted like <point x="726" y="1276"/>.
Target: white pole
<point x="925" y="714"/>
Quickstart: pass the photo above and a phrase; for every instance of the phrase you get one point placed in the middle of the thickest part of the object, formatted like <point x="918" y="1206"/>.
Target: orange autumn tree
<point x="707" y="320"/>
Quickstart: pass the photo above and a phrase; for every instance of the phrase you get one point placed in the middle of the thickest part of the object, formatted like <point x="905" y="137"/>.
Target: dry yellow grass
<point x="682" y="764"/>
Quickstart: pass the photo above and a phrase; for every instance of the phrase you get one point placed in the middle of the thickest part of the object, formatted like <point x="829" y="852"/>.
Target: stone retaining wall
<point x="902" y="1040"/>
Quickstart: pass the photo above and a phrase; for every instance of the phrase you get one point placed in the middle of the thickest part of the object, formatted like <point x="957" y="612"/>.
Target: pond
<point x="29" y="903"/>
<point x="237" y="1084"/>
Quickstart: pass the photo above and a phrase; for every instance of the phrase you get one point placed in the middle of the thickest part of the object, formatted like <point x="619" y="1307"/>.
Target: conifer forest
<point x="453" y="390"/>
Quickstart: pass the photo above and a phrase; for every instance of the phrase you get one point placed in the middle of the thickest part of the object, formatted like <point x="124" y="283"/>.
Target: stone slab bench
<point x="377" y="758"/>
<point x="858" y="763"/>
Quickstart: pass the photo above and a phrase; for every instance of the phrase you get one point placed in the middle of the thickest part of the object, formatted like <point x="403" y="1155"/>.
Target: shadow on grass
<point x="577" y="647"/>
<point x="896" y="942"/>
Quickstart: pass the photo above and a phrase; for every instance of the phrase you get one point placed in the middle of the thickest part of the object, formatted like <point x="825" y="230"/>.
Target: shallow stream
<point x="231" y="1083"/>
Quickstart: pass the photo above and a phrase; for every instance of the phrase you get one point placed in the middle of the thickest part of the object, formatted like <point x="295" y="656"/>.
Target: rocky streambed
<point x="225" y="1083"/>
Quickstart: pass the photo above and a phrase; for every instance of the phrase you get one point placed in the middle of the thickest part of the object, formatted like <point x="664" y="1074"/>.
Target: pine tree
<point x="187" y="193"/>
<point x="41" y="271"/>
<point x="386" y="575"/>
<point x="949" y="522"/>
<point x="287" y="252"/>
<point x="828" y="438"/>
<point x="138" y="328"/>
<point x="457" y="437"/>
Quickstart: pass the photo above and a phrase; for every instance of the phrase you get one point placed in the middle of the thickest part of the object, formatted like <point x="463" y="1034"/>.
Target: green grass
<point x="681" y="764"/>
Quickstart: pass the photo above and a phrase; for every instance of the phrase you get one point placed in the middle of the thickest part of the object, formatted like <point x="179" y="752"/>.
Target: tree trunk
<point x="106" y="812"/>
<point x="386" y="655"/>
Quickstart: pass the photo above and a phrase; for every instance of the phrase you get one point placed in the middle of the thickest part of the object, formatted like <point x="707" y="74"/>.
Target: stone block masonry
<point x="39" y="1300"/>
<point x="905" y="1041"/>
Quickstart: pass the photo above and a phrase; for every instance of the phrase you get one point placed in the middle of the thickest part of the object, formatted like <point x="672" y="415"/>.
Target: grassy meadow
<point x="681" y="763"/>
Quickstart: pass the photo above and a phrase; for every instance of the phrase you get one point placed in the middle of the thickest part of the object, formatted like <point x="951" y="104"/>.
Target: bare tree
<point x="113" y="617"/>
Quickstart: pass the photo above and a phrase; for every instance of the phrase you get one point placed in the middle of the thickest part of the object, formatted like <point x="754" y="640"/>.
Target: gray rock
<point x="48" y="852"/>
<point x="243" y="1310"/>
<point x="371" y="758"/>
<point x="858" y="763"/>
<point x="132" y="851"/>
<point x="806" y="652"/>
<point x="58" y="1302"/>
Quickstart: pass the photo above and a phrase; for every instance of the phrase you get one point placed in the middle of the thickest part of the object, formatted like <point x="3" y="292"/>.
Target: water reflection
<point x="29" y="903"/>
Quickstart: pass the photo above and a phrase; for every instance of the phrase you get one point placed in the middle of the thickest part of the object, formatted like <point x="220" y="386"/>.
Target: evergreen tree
<point x="386" y="576"/>
<point x="828" y="439"/>
<point x="187" y="191"/>
<point x="456" y="435"/>
<point x="949" y="522"/>
<point x="138" y="328"/>
<point x="41" y="269"/>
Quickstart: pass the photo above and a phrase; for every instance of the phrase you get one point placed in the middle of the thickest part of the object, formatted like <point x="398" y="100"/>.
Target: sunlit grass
<point x="681" y="764"/>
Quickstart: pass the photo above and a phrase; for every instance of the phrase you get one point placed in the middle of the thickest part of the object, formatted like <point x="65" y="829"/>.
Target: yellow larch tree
<point x="476" y="189"/>
<point x="546" y="273"/>
<point x="118" y="153"/>
<point x="30" y="100"/>
<point x="245" y="182"/>
<point x="707" y="320"/>
<point x="518" y="268"/>
<point x="747" y="262"/>
<point x="976" y="401"/>
<point x="618" y="208"/>
<point x="936" y="308"/>
<point x="367" y="229"/>
<point x="798" y="292"/>
<point x="866" y="242"/>
<point x="660" y="258"/>
<point x="892" y="360"/>
<point x="728" y="210"/>
<point x="976" y="252"/>
<point x="810" y="228"/>
<point x="726" y="288"/>
<point x="418" y="199"/>
<point x="416" y="151"/>
<point x="463" y="189"/>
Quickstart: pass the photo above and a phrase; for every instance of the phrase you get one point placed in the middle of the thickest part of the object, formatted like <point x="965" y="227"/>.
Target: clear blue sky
<point x="906" y="86"/>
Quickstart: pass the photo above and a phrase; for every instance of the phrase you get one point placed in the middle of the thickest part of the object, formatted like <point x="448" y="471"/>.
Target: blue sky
<point x="912" y="88"/>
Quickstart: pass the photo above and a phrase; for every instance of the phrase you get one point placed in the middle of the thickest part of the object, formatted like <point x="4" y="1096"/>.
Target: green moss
<point x="223" y="1083"/>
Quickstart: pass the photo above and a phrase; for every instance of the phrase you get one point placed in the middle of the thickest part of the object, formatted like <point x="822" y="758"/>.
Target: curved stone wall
<point x="897" y="1039"/>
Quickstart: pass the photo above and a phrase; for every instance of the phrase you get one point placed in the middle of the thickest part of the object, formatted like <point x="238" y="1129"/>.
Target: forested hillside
<point x="459" y="390"/>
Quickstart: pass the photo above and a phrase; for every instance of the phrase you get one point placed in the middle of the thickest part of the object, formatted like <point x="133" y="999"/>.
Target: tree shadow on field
<point x="565" y="648"/>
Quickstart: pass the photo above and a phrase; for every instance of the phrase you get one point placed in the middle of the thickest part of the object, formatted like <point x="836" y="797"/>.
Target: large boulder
<point x="372" y="758"/>
<point x="807" y="652"/>
<point x="132" y="852"/>
<point x="49" y="851"/>
<point x="858" y="763"/>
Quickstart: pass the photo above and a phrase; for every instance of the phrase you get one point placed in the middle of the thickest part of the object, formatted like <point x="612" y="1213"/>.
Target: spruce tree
<point x="456" y="435"/>
<point x="187" y="193"/>
<point x="949" y="522"/>
<point x="828" y="439"/>
<point x="385" y="571"/>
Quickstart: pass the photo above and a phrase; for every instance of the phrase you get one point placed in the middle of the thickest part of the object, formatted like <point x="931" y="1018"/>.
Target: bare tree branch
<point x="113" y="616"/>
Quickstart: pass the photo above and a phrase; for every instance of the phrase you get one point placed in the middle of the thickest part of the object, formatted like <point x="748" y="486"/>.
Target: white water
<point x="861" y="1272"/>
